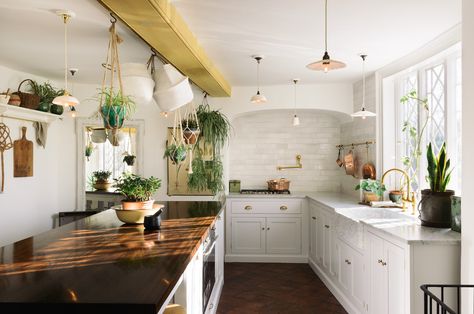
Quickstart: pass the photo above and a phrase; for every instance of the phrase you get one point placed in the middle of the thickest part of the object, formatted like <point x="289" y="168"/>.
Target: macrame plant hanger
<point x="112" y="114"/>
<point x="191" y="131"/>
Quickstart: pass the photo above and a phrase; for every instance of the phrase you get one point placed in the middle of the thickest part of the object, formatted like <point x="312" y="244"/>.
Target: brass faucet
<point x="298" y="164"/>
<point x="407" y="196"/>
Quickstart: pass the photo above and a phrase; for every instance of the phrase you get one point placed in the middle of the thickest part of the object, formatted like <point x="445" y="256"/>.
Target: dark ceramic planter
<point x="435" y="208"/>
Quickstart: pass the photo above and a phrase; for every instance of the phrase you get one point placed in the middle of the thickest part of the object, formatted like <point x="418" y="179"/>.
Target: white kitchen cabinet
<point x="313" y="234"/>
<point x="267" y="230"/>
<point x="248" y="235"/>
<point x="283" y="235"/>
<point x="387" y="276"/>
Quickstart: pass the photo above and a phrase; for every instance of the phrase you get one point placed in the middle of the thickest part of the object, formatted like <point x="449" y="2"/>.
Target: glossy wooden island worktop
<point x="100" y="265"/>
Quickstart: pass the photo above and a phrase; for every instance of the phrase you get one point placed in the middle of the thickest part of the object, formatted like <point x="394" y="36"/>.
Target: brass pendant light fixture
<point x="326" y="63"/>
<point x="258" y="98"/>
<point x="296" y="119"/>
<point x="66" y="99"/>
<point x="363" y="113"/>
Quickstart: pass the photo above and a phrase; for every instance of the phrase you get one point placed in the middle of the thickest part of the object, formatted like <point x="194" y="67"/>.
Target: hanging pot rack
<point x="355" y="144"/>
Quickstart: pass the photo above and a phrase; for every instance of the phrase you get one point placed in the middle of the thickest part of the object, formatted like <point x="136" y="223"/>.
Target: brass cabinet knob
<point x="348" y="262"/>
<point x="283" y="207"/>
<point x="248" y="207"/>
<point x="383" y="263"/>
<point x="263" y="228"/>
<point x="314" y="218"/>
<point x="268" y="228"/>
<point x="326" y="226"/>
<point x="379" y="261"/>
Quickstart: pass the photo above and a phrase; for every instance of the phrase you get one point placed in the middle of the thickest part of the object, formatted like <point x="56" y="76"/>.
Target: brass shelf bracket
<point x="298" y="165"/>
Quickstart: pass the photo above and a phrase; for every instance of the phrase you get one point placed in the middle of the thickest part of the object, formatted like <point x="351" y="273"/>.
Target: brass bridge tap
<point x="407" y="196"/>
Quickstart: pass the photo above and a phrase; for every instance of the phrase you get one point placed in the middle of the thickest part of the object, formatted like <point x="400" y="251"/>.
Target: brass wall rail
<point x="355" y="144"/>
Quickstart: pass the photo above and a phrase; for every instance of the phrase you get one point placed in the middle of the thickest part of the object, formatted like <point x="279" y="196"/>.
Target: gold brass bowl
<point x="135" y="216"/>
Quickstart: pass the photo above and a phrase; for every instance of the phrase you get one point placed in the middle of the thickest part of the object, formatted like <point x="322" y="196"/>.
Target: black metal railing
<point x="436" y="303"/>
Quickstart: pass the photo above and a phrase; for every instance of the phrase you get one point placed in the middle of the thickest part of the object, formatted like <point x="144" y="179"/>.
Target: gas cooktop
<point x="262" y="191"/>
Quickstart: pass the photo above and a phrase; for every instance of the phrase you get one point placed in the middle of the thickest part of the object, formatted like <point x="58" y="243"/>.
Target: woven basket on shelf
<point x="28" y="100"/>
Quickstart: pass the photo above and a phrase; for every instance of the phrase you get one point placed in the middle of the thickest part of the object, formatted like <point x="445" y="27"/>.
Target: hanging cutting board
<point x="23" y="156"/>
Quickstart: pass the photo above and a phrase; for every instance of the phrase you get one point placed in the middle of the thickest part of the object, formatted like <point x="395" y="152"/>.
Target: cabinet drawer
<point x="282" y="206"/>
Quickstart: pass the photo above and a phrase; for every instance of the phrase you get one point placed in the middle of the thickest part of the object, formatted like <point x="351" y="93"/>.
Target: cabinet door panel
<point x="248" y="235"/>
<point x="283" y="236"/>
<point x="395" y="264"/>
<point x="345" y="267"/>
<point x="359" y="281"/>
<point x="378" y="276"/>
<point x="313" y="227"/>
<point x="220" y="247"/>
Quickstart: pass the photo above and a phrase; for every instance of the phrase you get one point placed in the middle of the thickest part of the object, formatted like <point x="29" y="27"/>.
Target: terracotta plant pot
<point x="370" y="196"/>
<point x="395" y="196"/>
<point x="138" y="205"/>
<point x="190" y="137"/>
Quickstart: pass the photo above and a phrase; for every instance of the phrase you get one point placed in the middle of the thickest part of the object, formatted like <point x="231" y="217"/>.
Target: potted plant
<point x="137" y="190"/>
<point x="115" y="108"/>
<point x="190" y="130"/>
<point x="129" y="159"/>
<point x="89" y="150"/>
<point x="373" y="190"/>
<point x="47" y="93"/>
<point x="395" y="196"/>
<point x="436" y="201"/>
<point x="101" y="180"/>
<point x="176" y="153"/>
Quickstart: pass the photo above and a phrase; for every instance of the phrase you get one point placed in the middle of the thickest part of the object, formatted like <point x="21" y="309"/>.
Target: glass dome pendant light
<point x="363" y="113"/>
<point x="296" y="119"/>
<point x="326" y="63"/>
<point x="258" y="98"/>
<point x="65" y="99"/>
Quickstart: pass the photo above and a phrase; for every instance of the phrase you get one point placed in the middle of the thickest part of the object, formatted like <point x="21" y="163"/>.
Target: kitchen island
<point x="100" y="265"/>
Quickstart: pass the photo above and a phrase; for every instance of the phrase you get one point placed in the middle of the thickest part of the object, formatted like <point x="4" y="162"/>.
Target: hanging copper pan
<point x="368" y="169"/>
<point x="349" y="163"/>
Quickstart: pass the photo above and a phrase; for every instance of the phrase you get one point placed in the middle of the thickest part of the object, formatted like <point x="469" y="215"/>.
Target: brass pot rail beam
<point x="407" y="196"/>
<point x="355" y="144"/>
<point x="298" y="165"/>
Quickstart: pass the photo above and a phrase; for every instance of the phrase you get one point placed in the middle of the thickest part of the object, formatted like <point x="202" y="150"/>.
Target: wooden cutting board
<point x="23" y="156"/>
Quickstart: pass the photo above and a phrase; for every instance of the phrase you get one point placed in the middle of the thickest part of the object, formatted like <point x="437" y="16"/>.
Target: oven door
<point x="209" y="270"/>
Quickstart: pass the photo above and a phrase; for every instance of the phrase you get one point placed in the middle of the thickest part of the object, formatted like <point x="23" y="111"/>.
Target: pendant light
<point x="363" y="113"/>
<point x="258" y="98"/>
<point x="296" y="119"/>
<point x="326" y="63"/>
<point x="65" y="99"/>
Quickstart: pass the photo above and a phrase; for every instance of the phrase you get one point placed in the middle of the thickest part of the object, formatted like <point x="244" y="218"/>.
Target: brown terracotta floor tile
<point x="275" y="288"/>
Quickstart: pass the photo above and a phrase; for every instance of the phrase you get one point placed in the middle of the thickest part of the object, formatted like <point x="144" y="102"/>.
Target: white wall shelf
<point x="19" y="113"/>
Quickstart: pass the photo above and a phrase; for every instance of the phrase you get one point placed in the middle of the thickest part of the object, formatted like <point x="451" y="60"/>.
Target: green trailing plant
<point x="45" y="91"/>
<point x="215" y="130"/>
<point x="136" y="188"/>
<point x="176" y="153"/>
<point x="101" y="176"/>
<point x="414" y="135"/>
<point x="115" y="107"/>
<point x="439" y="173"/>
<point x="129" y="159"/>
<point x="89" y="150"/>
<point x="373" y="186"/>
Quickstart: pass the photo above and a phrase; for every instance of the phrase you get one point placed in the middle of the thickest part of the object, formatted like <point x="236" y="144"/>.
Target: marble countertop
<point x="393" y="222"/>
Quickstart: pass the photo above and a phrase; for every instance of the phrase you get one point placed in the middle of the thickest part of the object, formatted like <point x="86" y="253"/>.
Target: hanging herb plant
<point x="215" y="130"/>
<point x="176" y="153"/>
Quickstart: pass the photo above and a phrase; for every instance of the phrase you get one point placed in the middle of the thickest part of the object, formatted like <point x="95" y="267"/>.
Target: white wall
<point x="360" y="130"/>
<point x="266" y="139"/>
<point x="467" y="235"/>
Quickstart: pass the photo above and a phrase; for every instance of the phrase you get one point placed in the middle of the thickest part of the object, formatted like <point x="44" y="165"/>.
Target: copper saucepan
<point x="368" y="169"/>
<point x="339" y="161"/>
<point x="349" y="163"/>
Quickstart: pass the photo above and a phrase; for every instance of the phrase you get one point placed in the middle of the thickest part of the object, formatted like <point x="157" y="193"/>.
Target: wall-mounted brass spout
<point x="298" y="164"/>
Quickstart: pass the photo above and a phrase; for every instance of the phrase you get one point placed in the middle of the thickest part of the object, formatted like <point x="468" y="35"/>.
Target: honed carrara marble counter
<point x="404" y="227"/>
<point x="100" y="265"/>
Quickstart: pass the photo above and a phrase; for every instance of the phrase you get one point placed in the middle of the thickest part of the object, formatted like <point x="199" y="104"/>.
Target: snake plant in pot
<point x="435" y="204"/>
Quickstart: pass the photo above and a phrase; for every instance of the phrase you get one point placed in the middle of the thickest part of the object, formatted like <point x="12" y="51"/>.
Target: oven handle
<point x="212" y="246"/>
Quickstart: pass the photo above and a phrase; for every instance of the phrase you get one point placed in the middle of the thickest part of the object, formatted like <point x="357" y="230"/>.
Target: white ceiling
<point x="289" y="33"/>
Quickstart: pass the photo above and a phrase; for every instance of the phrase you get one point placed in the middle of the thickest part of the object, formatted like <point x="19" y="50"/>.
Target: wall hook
<point x="113" y="19"/>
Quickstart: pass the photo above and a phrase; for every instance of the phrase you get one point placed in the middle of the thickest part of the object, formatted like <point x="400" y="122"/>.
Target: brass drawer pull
<point x="348" y="262"/>
<point x="379" y="261"/>
<point x="383" y="263"/>
<point x="248" y="207"/>
<point x="326" y="226"/>
<point x="314" y="218"/>
<point x="283" y="207"/>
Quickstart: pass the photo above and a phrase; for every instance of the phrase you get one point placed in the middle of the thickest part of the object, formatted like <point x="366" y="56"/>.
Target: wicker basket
<point x="279" y="185"/>
<point x="28" y="100"/>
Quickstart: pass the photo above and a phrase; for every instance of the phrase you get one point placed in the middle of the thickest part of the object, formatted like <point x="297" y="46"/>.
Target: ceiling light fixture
<point x="258" y="98"/>
<point x="65" y="99"/>
<point x="296" y="119"/>
<point x="363" y="113"/>
<point x="326" y="63"/>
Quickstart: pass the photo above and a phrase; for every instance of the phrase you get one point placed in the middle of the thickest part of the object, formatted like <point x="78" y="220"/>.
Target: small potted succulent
<point x="101" y="180"/>
<point x="137" y="190"/>
<point x="373" y="190"/>
<point x="190" y="130"/>
<point x="176" y="153"/>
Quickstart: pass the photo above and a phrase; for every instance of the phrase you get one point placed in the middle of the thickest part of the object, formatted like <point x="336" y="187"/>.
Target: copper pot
<point x="279" y="184"/>
<point x="349" y="163"/>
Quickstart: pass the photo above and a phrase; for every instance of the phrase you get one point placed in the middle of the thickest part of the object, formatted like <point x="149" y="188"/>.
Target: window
<point x="439" y="81"/>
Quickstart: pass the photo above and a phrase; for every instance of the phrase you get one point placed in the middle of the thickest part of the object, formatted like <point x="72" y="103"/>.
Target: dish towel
<point x="41" y="133"/>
